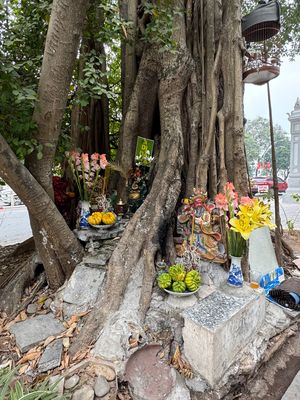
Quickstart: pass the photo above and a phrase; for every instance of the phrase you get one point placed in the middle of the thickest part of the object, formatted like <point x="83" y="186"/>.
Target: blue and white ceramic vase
<point x="235" y="277"/>
<point x="84" y="207"/>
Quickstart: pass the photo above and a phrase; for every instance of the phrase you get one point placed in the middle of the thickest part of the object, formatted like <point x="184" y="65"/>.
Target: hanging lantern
<point x="263" y="22"/>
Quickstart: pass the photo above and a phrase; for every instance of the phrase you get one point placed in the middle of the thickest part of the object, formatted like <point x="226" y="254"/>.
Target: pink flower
<point x="95" y="156"/>
<point x="221" y="201"/>
<point x="74" y="155"/>
<point x="246" y="201"/>
<point x="103" y="161"/>
<point x="229" y="187"/>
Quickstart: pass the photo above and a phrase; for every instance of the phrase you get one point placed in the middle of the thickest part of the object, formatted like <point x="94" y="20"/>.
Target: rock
<point x="196" y="384"/>
<point x="31" y="308"/>
<point x="181" y="303"/>
<point x="105" y="371"/>
<point x="82" y="289"/>
<point x="71" y="382"/>
<point x="33" y="330"/>
<point x="93" y="234"/>
<point x="47" y="303"/>
<point x="212" y="274"/>
<point x="60" y="383"/>
<point x="179" y="391"/>
<point x="293" y="390"/>
<point x="147" y="376"/>
<point x="86" y="392"/>
<point x="51" y="357"/>
<point x="219" y="327"/>
<point x="101" y="387"/>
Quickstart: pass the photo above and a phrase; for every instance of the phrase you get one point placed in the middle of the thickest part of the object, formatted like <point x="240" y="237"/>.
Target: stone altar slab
<point x="219" y="327"/>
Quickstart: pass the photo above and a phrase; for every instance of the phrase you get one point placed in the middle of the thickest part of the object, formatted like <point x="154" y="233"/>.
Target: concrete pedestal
<point x="219" y="327"/>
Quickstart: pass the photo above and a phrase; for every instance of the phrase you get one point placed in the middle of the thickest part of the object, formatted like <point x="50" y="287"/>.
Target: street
<point x="14" y="225"/>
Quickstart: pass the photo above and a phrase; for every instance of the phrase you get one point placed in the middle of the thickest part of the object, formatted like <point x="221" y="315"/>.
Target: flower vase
<point x="235" y="277"/>
<point x="84" y="212"/>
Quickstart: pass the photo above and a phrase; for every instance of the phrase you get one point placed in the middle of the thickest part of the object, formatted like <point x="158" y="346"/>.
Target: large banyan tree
<point x="187" y="95"/>
<point x="181" y="86"/>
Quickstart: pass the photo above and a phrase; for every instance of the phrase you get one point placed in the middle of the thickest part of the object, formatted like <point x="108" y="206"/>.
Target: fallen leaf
<point x="23" y="369"/>
<point x="42" y="299"/>
<point x="70" y="331"/>
<point x="133" y="343"/>
<point x="29" y="357"/>
<point x="80" y="355"/>
<point x="49" y="340"/>
<point x="66" y="343"/>
<point x="66" y="360"/>
<point x="73" y="319"/>
<point x="82" y="314"/>
<point x="8" y="325"/>
<point x="65" y="324"/>
<point x="23" y="315"/>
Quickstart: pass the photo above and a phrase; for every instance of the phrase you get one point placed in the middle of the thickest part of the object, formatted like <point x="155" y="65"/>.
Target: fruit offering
<point x="164" y="280"/>
<point x="178" y="280"/>
<point x="192" y="280"/>
<point x="95" y="218"/>
<point x="109" y="218"/>
<point x="104" y="218"/>
<point x="177" y="272"/>
<point x="178" y="287"/>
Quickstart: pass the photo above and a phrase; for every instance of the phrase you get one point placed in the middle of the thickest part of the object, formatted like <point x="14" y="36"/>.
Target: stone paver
<point x="32" y="331"/>
<point x="51" y="357"/>
<point x="293" y="391"/>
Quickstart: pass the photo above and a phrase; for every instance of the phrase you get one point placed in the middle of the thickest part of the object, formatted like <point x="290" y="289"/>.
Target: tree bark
<point x="147" y="228"/>
<point x="53" y="229"/>
<point x="200" y="105"/>
<point x="61" y="48"/>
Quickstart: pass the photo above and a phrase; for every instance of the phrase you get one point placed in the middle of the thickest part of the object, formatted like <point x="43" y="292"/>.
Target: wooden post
<point x="278" y="228"/>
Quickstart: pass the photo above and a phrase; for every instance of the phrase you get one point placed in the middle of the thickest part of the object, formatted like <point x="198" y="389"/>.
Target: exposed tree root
<point x="131" y="266"/>
<point x="13" y="290"/>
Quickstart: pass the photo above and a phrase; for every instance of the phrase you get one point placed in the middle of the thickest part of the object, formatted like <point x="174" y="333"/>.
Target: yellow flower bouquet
<point x="244" y="215"/>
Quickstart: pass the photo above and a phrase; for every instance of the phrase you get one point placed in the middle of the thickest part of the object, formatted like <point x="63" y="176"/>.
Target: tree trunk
<point x="200" y="113"/>
<point x="53" y="229"/>
<point x="61" y="48"/>
<point x="147" y="228"/>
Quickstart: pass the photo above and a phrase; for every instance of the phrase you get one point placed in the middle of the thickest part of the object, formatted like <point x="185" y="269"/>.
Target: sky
<point x="284" y="92"/>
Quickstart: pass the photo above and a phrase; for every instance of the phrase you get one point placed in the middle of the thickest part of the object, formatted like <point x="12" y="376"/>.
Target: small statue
<point x="200" y="227"/>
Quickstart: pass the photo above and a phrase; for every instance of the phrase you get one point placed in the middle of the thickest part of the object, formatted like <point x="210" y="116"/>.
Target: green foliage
<point x="258" y="145"/>
<point x="12" y="389"/>
<point x="22" y="36"/>
<point x="159" y="30"/>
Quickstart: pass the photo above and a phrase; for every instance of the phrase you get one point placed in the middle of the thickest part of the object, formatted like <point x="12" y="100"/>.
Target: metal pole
<point x="278" y="228"/>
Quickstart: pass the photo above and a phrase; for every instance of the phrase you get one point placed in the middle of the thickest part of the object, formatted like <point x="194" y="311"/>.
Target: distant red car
<point x="262" y="184"/>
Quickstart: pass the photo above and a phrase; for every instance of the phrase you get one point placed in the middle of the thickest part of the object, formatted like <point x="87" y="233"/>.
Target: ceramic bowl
<point x="183" y="294"/>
